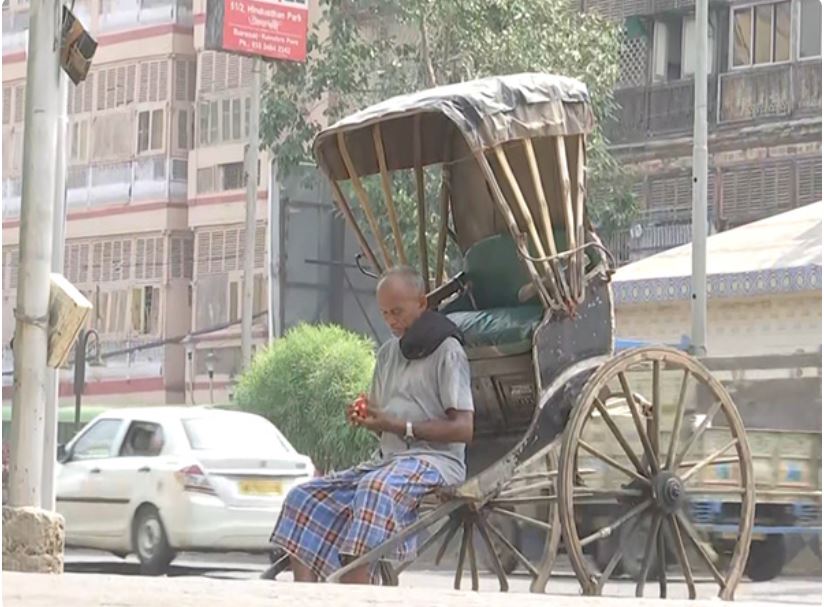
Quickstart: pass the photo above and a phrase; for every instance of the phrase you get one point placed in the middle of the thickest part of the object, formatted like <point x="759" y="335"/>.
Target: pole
<point x="58" y="244"/>
<point x="251" y="205"/>
<point x="698" y="301"/>
<point x="36" y="218"/>
<point x="274" y="252"/>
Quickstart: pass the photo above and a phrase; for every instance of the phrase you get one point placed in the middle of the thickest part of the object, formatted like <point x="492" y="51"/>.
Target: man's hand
<point x="378" y="421"/>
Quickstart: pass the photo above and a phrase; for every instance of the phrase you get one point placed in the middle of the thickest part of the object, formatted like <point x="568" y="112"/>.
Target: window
<point x="150" y="131"/>
<point x="810" y="29"/>
<point x="231" y="431"/>
<point x="206" y="180"/>
<point x="673" y="50"/>
<point x="98" y="441"/>
<point x="79" y="141"/>
<point x="236" y="119"/>
<point x="146" y="310"/>
<point x="183" y="142"/>
<point x="226" y="120"/>
<point x="213" y="119"/>
<point x="761" y="34"/>
<point x="143" y="439"/>
<point x="247" y="110"/>
<point x="232" y="176"/>
<point x="203" y="138"/>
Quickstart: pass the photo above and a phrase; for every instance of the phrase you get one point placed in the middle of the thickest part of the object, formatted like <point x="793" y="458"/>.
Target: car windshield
<point x="240" y="433"/>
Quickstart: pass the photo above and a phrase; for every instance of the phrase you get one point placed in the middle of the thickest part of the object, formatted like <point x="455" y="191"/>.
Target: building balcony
<point x="87" y="187"/>
<point x="119" y="15"/>
<point x="777" y="91"/>
<point x="620" y="9"/>
<point x="658" y="109"/>
<point x="15" y="31"/>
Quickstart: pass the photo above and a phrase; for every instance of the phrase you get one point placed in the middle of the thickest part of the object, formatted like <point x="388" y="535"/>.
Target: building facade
<point x="764" y="113"/>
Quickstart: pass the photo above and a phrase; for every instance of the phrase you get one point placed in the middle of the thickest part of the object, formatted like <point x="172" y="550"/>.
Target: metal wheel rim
<point x="149" y="534"/>
<point x="571" y="446"/>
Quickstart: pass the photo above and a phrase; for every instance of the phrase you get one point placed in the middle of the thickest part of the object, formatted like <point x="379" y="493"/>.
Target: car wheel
<point x="150" y="542"/>
<point x="767" y="558"/>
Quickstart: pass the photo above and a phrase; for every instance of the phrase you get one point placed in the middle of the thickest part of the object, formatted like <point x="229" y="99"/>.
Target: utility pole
<point x="251" y="207"/>
<point x="58" y="244"/>
<point x="698" y="301"/>
<point x="31" y="339"/>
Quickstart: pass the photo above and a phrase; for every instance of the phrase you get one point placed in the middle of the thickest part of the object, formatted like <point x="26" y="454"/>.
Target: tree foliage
<point x="375" y="49"/>
<point x="303" y="382"/>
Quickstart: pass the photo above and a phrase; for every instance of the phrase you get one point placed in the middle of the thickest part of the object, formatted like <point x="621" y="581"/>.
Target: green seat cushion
<point x="495" y="271"/>
<point x="508" y="329"/>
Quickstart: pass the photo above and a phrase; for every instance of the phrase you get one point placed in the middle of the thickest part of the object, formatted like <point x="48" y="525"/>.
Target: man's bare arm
<point x="456" y="428"/>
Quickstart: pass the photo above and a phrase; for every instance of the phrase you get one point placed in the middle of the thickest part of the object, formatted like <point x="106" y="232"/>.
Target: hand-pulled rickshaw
<point x="571" y="441"/>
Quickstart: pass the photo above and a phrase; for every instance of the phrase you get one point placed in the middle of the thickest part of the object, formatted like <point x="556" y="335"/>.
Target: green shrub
<point x="303" y="382"/>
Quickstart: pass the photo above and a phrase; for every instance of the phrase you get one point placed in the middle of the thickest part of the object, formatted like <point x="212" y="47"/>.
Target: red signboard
<point x="266" y="28"/>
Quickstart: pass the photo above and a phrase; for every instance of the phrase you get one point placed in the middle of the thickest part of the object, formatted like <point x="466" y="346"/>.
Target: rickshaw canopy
<point x="486" y="112"/>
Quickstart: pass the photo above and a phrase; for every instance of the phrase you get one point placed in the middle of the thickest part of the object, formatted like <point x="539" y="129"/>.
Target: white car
<point x="158" y="480"/>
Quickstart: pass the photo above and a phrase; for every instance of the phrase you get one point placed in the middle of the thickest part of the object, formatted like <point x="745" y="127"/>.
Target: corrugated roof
<point x="788" y="240"/>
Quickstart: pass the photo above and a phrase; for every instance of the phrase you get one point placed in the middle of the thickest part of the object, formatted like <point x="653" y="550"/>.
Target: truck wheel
<point x="766" y="559"/>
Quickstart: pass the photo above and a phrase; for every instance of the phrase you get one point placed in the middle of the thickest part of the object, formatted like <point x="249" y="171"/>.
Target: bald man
<point x="420" y="406"/>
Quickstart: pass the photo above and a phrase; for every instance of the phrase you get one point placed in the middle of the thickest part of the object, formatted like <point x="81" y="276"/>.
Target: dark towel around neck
<point x="426" y="334"/>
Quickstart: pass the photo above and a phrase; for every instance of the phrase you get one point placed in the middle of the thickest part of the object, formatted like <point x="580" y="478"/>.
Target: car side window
<point x="144" y="439"/>
<point x="98" y="441"/>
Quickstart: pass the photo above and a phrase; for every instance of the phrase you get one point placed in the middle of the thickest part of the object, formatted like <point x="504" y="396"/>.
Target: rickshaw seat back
<point x="495" y="272"/>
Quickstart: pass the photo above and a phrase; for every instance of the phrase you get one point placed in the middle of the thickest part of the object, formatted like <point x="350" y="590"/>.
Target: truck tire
<point x="767" y="558"/>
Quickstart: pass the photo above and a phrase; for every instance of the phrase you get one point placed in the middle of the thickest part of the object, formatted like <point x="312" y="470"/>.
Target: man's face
<point x="400" y="304"/>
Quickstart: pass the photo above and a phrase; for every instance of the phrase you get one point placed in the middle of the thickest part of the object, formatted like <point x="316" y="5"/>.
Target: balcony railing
<point x="87" y="187"/>
<point x="773" y="91"/>
<point x="658" y="109"/>
<point x="129" y="14"/>
<point x="15" y="31"/>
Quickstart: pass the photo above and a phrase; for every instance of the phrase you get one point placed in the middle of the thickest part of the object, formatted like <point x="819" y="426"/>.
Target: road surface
<point x="786" y="590"/>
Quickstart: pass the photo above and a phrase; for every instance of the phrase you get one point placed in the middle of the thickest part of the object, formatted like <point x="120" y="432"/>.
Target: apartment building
<point x="128" y="243"/>
<point x="764" y="111"/>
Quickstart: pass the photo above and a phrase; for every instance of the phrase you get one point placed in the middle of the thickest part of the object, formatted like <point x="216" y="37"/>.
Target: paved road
<point x="782" y="591"/>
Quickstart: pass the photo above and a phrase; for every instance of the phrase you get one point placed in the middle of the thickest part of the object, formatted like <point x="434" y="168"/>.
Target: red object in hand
<point x="360" y="406"/>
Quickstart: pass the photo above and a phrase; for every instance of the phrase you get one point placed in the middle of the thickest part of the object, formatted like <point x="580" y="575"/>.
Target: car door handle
<point x="94" y="471"/>
<point x="144" y="469"/>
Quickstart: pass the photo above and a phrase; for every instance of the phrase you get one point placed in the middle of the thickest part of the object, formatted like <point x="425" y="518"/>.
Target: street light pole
<point x="36" y="219"/>
<point x="58" y="240"/>
<point x="251" y="207"/>
<point x="698" y="300"/>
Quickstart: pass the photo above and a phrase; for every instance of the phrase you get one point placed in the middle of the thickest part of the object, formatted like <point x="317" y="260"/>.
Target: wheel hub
<point x="668" y="492"/>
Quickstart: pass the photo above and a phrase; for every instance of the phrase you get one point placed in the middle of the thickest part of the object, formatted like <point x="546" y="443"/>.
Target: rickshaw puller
<point x="420" y="405"/>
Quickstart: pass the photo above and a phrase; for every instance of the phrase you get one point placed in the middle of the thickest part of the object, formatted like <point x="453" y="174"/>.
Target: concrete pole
<point x="251" y="207"/>
<point x="274" y="252"/>
<point x="36" y="219"/>
<point x="698" y="300"/>
<point x="58" y="244"/>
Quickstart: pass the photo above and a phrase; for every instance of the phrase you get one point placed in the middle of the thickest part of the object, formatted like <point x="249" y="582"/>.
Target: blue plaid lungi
<point x="353" y="511"/>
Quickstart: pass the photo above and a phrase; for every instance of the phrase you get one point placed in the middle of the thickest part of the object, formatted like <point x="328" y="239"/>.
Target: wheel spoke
<point x="648" y="554"/>
<point x="655" y="431"/>
<point x="639" y="425"/>
<point x="483" y="529"/>
<point x="662" y="561"/>
<point x="615" y="464"/>
<point x="718" y="462"/>
<point x="681" y="554"/>
<point x="527" y="488"/>
<point x="505" y="541"/>
<point x="699" y="431"/>
<point x="522" y="517"/>
<point x="453" y="529"/>
<point x="473" y="562"/>
<point x="702" y="551"/>
<point x="605" y="532"/>
<point x="619" y="436"/>
<point x="679" y="420"/>
<point x="514" y="501"/>
<point x="461" y="558"/>
<point x="613" y="562"/>
<point x="431" y="541"/>
<point x="708" y="460"/>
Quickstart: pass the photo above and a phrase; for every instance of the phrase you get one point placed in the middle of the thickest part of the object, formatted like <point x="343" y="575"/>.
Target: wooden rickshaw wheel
<point x="655" y="483"/>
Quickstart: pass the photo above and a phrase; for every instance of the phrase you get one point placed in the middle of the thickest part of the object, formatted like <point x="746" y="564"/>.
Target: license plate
<point x="260" y="487"/>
